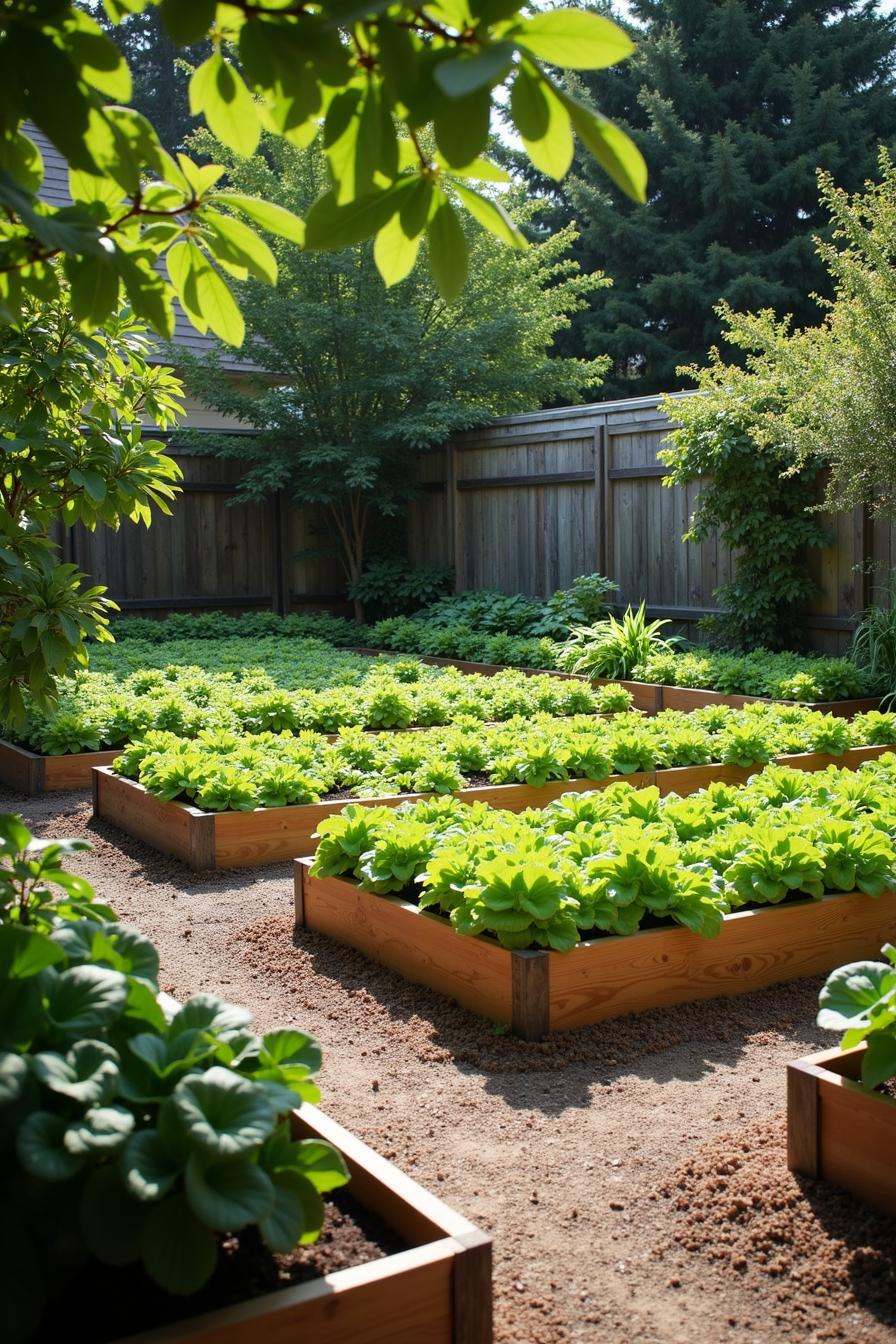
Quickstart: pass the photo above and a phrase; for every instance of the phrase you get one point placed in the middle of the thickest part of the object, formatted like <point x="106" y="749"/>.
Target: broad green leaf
<point x="223" y="1113"/>
<point x="98" y="59"/>
<point x="206" y="1012"/>
<point x="84" y="999"/>
<point x="40" y="1144"/>
<point x="292" y="1047"/>
<point x="481" y="170"/>
<point x="205" y="297"/>
<point x="88" y="1072"/>
<point x="619" y="156"/>
<point x="267" y="215"/>
<point x="103" y="1129"/>
<point x="240" y="245"/>
<point x="150" y="1169"/>
<point x="448" y="254"/>
<point x="228" y="1195"/>
<point x="461" y="129"/>
<point x="94" y="283"/>
<point x="462" y="74"/>
<point x="178" y="1252"/>
<point x="296" y="1216"/>
<point x="111" y="1220"/>
<point x="321" y="1164"/>
<point x="492" y="216"/>
<point x="850" y="992"/>
<point x="330" y="225"/>
<point x="573" y="38"/>
<point x="217" y="91"/>
<point x="25" y="952"/>
<point x="187" y="23"/>
<point x="543" y="123"/>
<point x="394" y="252"/>
<point x="879" y="1059"/>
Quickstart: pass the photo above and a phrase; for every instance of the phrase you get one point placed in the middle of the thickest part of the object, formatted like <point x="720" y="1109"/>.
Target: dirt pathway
<point x="632" y="1174"/>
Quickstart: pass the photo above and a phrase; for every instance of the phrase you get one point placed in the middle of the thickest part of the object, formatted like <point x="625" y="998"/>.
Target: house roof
<point x="55" y="191"/>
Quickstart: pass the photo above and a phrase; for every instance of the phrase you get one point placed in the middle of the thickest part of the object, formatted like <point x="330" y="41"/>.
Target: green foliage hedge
<point x="220" y="770"/>
<point x="610" y="862"/>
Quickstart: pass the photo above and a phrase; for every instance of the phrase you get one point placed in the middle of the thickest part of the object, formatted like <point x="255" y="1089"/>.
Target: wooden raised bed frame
<point x="839" y="1131"/>
<point x="34" y="775"/>
<point x="271" y="834"/>
<point x="539" y="992"/>
<point x="439" y="1291"/>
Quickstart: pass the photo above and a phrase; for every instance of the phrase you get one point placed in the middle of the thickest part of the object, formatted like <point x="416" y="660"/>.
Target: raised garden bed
<point x="486" y="669"/>
<point x="839" y="1131"/>
<point x="34" y="775"/>
<point x="539" y="992"/>
<point x="438" y="1291"/>
<point x="651" y="697"/>
<point x="270" y="834"/>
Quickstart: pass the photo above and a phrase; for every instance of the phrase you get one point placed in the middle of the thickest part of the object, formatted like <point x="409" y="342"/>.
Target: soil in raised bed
<point x="558" y="1149"/>
<point x="125" y="1301"/>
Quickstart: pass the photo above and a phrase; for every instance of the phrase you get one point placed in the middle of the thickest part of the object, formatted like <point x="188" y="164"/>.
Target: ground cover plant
<point x="221" y="770"/>
<point x="303" y="687"/>
<point x="613" y="861"/>
<point x="139" y="1136"/>
<point x="496" y="628"/>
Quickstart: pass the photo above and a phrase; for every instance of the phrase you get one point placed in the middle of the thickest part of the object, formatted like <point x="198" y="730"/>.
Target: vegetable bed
<point x="537" y="992"/>
<point x="439" y="1290"/>
<point x="234" y="839"/>
<point x="652" y="697"/>
<point x="838" y="1130"/>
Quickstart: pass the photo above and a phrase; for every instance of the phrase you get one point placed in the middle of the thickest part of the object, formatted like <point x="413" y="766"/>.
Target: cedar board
<point x="438" y="1291"/>
<point x="837" y="1130"/>
<point x="34" y="775"/>
<point x="608" y="977"/>
<point x="272" y="834"/>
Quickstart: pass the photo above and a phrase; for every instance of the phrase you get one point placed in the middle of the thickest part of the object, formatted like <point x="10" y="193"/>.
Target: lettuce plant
<point x="859" y="1000"/>
<point x="138" y="1135"/>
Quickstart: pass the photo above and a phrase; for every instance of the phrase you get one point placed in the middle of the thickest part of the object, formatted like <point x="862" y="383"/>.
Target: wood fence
<point x="531" y="501"/>
<point x="214" y="552"/>
<point x="523" y="505"/>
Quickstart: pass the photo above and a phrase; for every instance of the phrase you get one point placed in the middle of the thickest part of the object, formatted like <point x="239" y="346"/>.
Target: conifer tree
<point x="735" y="104"/>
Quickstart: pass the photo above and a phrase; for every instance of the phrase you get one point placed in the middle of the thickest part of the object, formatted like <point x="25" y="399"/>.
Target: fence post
<point x="282" y="595"/>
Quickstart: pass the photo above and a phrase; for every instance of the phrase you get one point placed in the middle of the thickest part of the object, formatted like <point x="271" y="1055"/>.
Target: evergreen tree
<point x="735" y="104"/>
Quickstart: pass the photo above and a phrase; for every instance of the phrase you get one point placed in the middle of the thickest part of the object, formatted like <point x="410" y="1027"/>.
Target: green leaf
<point x="87" y="1073"/>
<point x="217" y="91"/>
<point x="292" y="1047"/>
<point x="112" y="1222"/>
<point x="223" y="1113"/>
<point x="330" y="225"/>
<point x="448" y="255"/>
<point x="321" y="1164"/>
<point x="462" y="74"/>
<point x="543" y="123"/>
<point x="492" y="216"/>
<point x="850" y="992"/>
<point x="267" y="215"/>
<point x="206" y="1012"/>
<point x="94" y="283"/>
<point x="296" y="1216"/>
<point x="461" y="128"/>
<point x="40" y="1144"/>
<point x="394" y="252"/>
<point x="481" y="170"/>
<point x="102" y="1130"/>
<point x="205" y="297"/>
<point x="85" y="999"/>
<point x="178" y="1252"/>
<point x="619" y="156"/>
<point x="98" y="58"/>
<point x="228" y="1195"/>
<point x="150" y="1168"/>
<point x="187" y="23"/>
<point x="236" y="243"/>
<point x="573" y="38"/>
<point x="25" y="952"/>
<point x="879" y="1059"/>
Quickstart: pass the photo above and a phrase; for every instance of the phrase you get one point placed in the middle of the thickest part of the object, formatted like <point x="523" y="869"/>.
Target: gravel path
<point x="632" y="1174"/>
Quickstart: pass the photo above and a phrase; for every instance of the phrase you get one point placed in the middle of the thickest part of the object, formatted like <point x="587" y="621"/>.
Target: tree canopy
<point x="370" y="79"/>
<point x="357" y="380"/>
<point x="735" y="106"/>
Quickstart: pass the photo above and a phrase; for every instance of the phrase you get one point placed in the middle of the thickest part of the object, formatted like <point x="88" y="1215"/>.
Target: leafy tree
<point x="735" y="104"/>
<point x="368" y="80"/>
<point x="362" y="379"/>
<point x="73" y="451"/>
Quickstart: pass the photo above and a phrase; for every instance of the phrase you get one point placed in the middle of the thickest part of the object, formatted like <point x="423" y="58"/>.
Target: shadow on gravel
<point x="570" y="1069"/>
<point x="866" y="1240"/>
